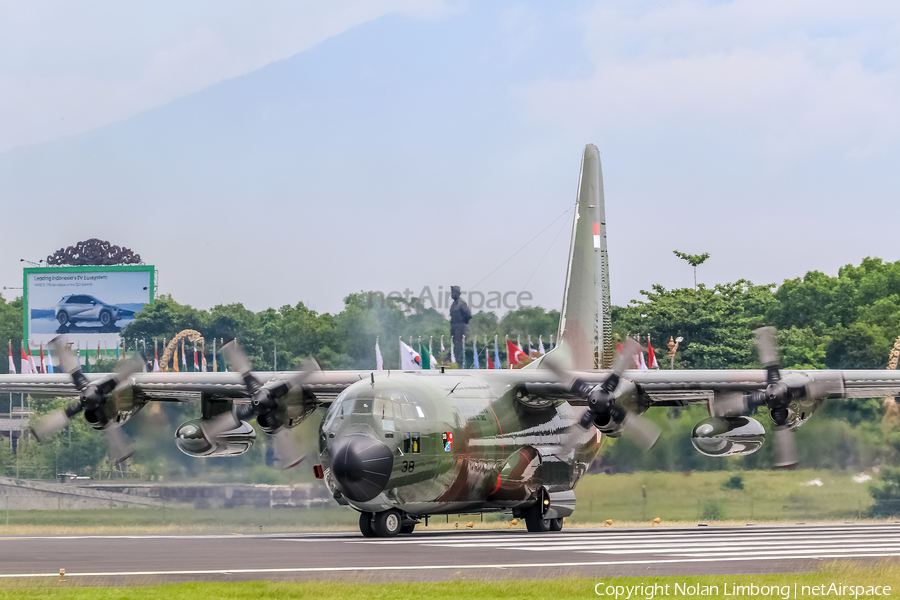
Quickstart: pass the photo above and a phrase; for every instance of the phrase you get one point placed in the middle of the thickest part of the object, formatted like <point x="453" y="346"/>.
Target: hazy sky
<point x="268" y="153"/>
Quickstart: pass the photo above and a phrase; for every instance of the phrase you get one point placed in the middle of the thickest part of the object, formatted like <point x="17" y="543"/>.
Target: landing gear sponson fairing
<point x="401" y="446"/>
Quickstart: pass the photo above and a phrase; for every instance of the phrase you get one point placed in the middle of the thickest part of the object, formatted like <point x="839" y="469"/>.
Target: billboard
<point x="88" y="304"/>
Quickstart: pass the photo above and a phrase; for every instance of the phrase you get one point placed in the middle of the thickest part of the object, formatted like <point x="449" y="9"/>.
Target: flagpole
<point x="215" y="365"/>
<point x="464" y="351"/>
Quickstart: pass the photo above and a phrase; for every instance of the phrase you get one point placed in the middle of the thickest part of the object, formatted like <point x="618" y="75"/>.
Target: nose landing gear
<point x="388" y="523"/>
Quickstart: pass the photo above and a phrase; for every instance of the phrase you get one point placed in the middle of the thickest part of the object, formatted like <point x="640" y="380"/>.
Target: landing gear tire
<point x="556" y="524"/>
<point x="387" y="523"/>
<point x="535" y="521"/>
<point x="365" y="524"/>
<point x="408" y="528"/>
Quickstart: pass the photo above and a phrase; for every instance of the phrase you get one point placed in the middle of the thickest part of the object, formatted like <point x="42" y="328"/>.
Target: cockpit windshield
<point x="386" y="405"/>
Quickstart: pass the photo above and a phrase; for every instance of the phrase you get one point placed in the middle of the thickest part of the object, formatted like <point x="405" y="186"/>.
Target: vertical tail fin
<point x="585" y="329"/>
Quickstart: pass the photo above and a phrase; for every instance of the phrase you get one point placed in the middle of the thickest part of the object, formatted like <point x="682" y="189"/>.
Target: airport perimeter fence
<point x="43" y="512"/>
<point x="791" y="507"/>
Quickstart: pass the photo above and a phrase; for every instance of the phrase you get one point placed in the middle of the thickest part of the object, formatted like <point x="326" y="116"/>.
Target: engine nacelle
<point x="728" y="436"/>
<point x="190" y="440"/>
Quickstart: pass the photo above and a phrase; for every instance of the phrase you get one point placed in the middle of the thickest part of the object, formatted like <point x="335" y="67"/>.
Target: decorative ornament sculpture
<point x="94" y="252"/>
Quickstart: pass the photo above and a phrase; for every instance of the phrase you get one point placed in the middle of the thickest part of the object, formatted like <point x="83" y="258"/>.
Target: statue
<point x="460" y="315"/>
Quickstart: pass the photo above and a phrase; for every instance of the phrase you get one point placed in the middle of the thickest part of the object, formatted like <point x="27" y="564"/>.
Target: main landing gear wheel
<point x="365" y="524"/>
<point x="536" y="523"/>
<point x="556" y="524"/>
<point x="387" y="523"/>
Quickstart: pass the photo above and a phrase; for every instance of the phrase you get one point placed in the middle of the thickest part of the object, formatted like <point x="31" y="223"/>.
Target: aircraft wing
<point x="655" y="388"/>
<point x="679" y="388"/>
<point x="177" y="387"/>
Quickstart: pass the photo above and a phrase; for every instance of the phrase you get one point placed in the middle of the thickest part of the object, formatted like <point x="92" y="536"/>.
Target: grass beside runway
<point x="626" y="499"/>
<point x="864" y="577"/>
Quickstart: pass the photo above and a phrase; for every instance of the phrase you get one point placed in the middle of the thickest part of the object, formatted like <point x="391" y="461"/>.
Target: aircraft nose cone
<point x="361" y="465"/>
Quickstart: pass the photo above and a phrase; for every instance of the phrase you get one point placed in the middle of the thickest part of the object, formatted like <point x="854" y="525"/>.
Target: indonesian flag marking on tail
<point x="596" y="235"/>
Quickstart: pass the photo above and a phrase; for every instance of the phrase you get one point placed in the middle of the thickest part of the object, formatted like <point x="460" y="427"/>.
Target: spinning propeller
<point x="603" y="411"/>
<point x="265" y="402"/>
<point x="778" y="395"/>
<point x="92" y="401"/>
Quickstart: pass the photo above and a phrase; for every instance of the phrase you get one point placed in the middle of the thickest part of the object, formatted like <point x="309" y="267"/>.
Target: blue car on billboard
<point x="81" y="307"/>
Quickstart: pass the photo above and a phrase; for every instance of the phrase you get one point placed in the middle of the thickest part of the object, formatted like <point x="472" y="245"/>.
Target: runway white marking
<point x="707" y="544"/>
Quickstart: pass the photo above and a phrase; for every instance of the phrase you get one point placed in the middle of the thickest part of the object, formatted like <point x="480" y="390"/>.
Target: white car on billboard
<point x="81" y="307"/>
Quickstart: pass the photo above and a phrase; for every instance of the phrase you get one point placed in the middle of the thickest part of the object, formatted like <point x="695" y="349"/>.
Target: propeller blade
<point x="120" y="448"/>
<point x="785" y="451"/>
<point x="50" y="425"/>
<point x="572" y="436"/>
<point x="287" y="451"/>
<point x="236" y="357"/>
<point x="765" y="344"/>
<point x="308" y="367"/>
<point x="625" y="360"/>
<point x="213" y="428"/>
<point x="66" y="358"/>
<point x="641" y="431"/>
<point x="68" y="362"/>
<point x="109" y="383"/>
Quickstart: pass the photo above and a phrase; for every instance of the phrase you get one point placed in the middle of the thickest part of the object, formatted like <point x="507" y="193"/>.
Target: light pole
<point x="673" y="348"/>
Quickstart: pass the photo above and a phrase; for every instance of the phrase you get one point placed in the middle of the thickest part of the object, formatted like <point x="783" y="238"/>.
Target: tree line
<point x="845" y="321"/>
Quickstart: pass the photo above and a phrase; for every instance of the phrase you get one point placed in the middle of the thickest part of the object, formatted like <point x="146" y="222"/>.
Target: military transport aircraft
<point x="400" y="446"/>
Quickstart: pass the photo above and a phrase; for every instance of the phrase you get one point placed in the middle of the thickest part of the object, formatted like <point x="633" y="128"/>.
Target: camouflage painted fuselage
<point x="460" y="443"/>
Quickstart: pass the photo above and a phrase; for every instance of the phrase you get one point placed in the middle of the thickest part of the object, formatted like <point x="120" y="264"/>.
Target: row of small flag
<point x="44" y="363"/>
<point x="424" y="358"/>
<point x="639" y="363"/>
<point x="410" y="359"/>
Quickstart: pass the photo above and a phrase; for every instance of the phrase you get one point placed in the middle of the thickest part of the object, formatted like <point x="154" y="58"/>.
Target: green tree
<point x="716" y="323"/>
<point x="695" y="260"/>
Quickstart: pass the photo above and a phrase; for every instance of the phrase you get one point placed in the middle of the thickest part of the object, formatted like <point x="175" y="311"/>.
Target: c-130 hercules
<point x="399" y="447"/>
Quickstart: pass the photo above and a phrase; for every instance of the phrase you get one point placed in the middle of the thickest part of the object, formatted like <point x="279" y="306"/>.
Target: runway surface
<point x="444" y="555"/>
